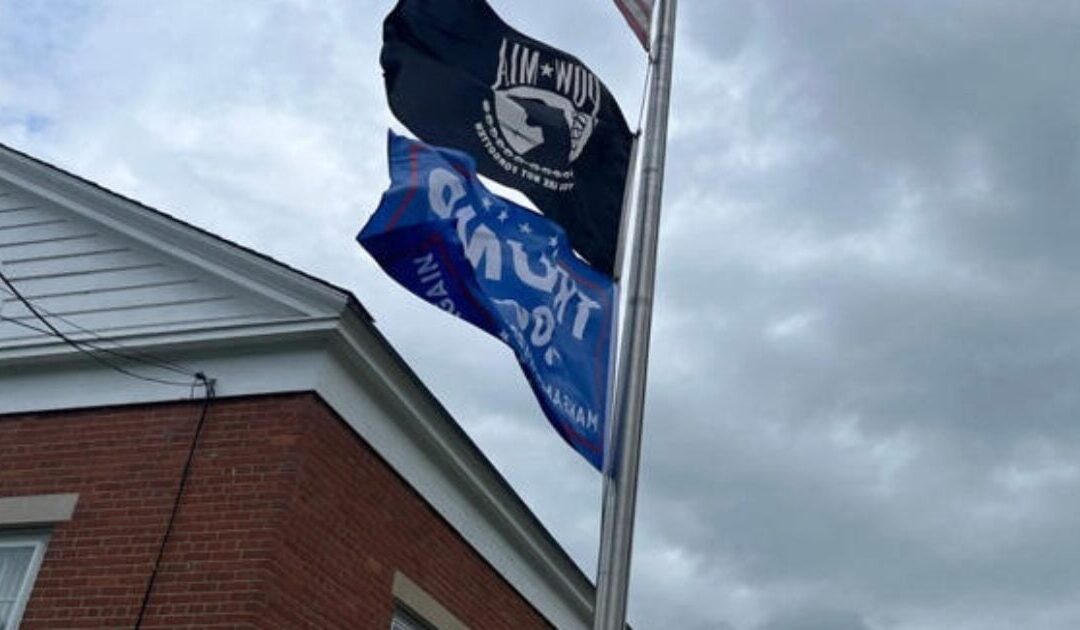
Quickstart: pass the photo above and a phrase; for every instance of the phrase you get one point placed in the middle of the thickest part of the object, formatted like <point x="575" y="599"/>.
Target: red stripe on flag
<point x="641" y="30"/>
<point x="414" y="185"/>
<point x="640" y="9"/>
<point x="644" y="5"/>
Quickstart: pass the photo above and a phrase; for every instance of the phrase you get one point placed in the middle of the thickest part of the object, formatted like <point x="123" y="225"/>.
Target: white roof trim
<point x="169" y="235"/>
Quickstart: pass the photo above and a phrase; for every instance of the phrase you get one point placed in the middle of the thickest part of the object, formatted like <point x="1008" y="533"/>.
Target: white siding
<point x="72" y="268"/>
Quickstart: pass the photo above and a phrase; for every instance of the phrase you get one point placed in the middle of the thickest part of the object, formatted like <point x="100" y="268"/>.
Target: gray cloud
<point x="885" y="408"/>
<point x="816" y="619"/>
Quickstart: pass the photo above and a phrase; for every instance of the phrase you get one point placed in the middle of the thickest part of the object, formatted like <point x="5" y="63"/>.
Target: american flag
<point x="638" y="14"/>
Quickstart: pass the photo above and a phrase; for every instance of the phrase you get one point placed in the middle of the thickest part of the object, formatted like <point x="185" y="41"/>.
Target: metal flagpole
<point x="621" y="474"/>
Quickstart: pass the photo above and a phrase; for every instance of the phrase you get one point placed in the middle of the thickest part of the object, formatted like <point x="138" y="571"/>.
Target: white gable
<point x="89" y="275"/>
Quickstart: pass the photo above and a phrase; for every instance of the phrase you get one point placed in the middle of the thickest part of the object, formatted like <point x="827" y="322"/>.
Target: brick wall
<point x="289" y="520"/>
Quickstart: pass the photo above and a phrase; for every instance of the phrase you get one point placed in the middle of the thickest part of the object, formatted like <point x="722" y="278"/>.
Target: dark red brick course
<point x="288" y="520"/>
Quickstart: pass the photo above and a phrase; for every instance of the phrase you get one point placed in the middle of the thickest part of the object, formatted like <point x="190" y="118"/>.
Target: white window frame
<point x="39" y="541"/>
<point x="415" y="609"/>
<point x="405" y="619"/>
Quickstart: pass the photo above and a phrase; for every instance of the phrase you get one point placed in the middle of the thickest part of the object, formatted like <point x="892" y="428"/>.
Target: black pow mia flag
<point x="534" y="118"/>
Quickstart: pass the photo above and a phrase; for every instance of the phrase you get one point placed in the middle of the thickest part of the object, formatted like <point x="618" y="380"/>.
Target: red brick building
<point x="321" y="485"/>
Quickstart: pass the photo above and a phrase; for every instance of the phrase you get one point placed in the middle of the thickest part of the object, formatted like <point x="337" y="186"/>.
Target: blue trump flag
<point x="506" y="269"/>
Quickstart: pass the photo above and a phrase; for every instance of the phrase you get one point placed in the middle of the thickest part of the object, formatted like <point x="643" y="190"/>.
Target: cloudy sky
<point x="862" y="411"/>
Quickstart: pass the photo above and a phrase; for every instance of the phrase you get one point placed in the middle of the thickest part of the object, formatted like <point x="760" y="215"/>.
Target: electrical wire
<point x="208" y="384"/>
<point x="82" y="346"/>
<point x="129" y="353"/>
<point x="12" y="320"/>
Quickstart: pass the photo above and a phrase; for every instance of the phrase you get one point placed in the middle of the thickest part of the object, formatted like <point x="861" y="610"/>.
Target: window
<point x="415" y="609"/>
<point x="404" y="620"/>
<point x="20" y="557"/>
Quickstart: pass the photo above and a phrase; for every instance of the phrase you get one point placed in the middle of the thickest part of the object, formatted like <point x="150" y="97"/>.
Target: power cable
<point x="130" y="354"/>
<point x="77" y="345"/>
<point x="208" y="384"/>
